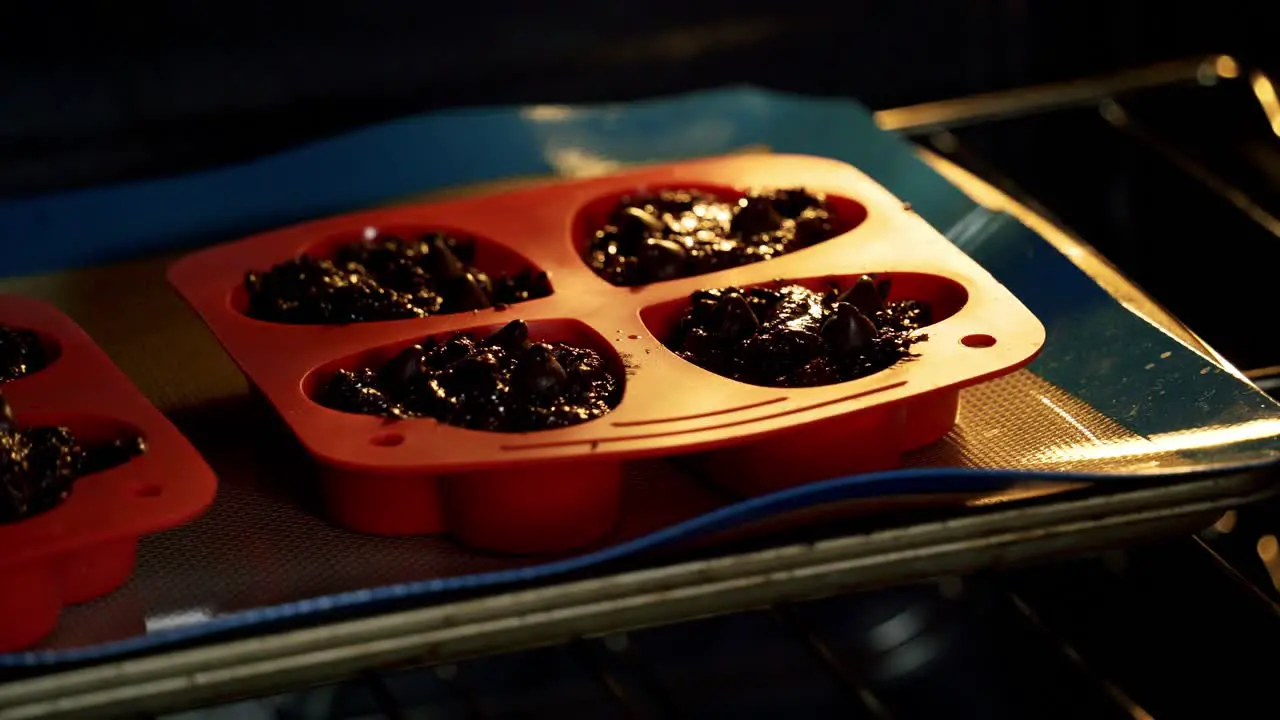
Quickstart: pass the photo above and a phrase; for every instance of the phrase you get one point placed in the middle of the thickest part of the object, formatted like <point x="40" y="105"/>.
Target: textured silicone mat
<point x="264" y="548"/>
<point x="1110" y="393"/>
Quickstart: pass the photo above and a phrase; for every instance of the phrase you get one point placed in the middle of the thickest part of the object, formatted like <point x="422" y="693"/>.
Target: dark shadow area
<point x="96" y="94"/>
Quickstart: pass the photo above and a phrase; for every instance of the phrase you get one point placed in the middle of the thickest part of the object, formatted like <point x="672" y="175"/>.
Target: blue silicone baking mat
<point x="1110" y="398"/>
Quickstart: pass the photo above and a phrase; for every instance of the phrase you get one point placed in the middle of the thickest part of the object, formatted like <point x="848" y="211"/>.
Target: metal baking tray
<point x="766" y="559"/>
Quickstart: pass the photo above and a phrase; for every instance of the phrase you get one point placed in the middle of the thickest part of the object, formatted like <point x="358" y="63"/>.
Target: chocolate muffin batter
<point x="386" y="278"/>
<point x="680" y="233"/>
<point x="789" y="336"/>
<point x="20" y="354"/>
<point x="502" y="383"/>
<point x="39" y="465"/>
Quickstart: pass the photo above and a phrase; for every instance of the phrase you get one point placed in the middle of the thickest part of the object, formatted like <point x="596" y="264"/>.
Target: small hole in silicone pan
<point x="491" y="258"/>
<point x="49" y="350"/>
<point x="846" y="214"/>
<point x="390" y="439"/>
<point x="568" y="331"/>
<point x="978" y="341"/>
<point x="943" y="296"/>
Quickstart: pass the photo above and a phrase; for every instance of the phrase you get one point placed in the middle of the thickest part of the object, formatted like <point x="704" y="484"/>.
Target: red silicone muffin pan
<point x="559" y="489"/>
<point x="85" y="547"/>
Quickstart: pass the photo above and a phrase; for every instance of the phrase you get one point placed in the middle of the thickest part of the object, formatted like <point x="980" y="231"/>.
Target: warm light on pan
<point x="1198" y="439"/>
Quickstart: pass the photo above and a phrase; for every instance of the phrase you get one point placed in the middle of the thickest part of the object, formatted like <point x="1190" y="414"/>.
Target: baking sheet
<point x="264" y="544"/>
<point x="261" y="545"/>
<point x="1111" y="393"/>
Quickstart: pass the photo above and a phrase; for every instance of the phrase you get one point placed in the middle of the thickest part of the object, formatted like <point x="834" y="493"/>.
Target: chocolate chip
<point x="813" y="226"/>
<point x="736" y="318"/>
<point x="706" y="299"/>
<point x="884" y="288"/>
<point x="848" y="331"/>
<point x="441" y="261"/>
<point x="477" y="376"/>
<point x="661" y="259"/>
<point x="466" y="293"/>
<point x="463" y="249"/>
<point x="6" y="415"/>
<point x="539" y="372"/>
<point x="864" y="296"/>
<point x="651" y="223"/>
<point x="512" y="336"/>
<point x="755" y="216"/>
<point x="627" y="229"/>
<point x="403" y="369"/>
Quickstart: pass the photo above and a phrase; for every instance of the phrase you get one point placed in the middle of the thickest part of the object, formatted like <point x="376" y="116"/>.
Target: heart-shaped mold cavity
<point x="389" y="273"/>
<point x="805" y="333"/>
<point x="515" y="377"/>
<point x="25" y="352"/>
<point x="651" y="234"/>
<point x="58" y="451"/>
